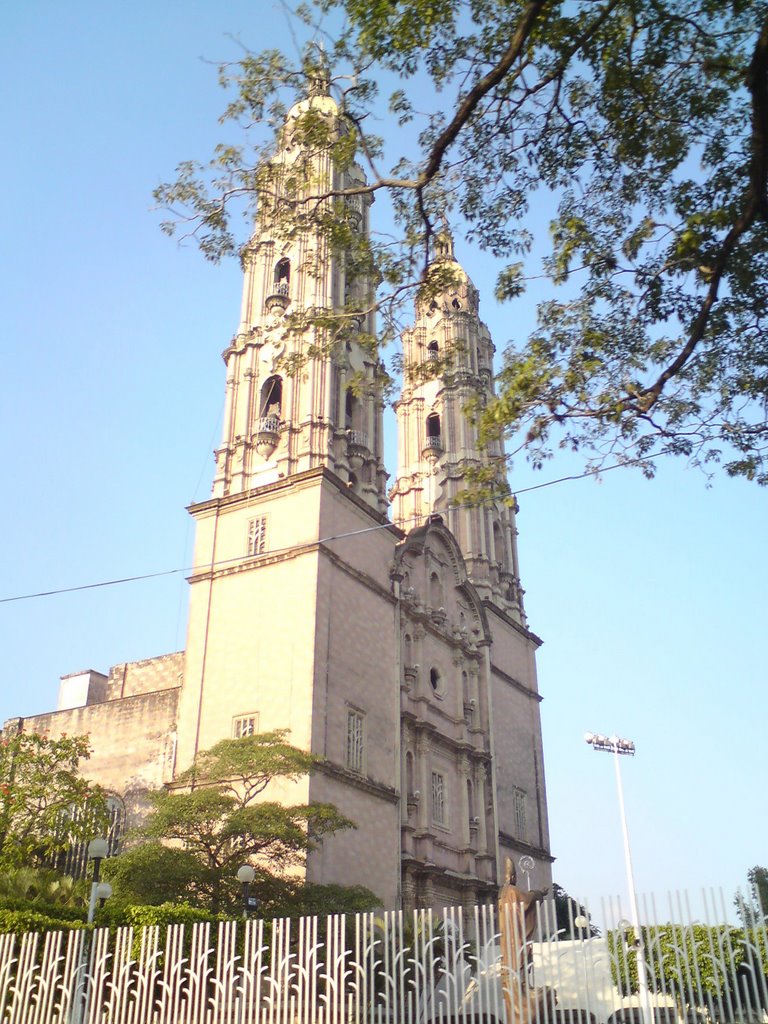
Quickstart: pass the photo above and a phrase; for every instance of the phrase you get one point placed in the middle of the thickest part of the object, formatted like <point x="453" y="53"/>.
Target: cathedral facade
<point x="395" y="648"/>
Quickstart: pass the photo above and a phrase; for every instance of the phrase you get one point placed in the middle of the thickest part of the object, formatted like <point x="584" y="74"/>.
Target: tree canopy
<point x="45" y="804"/>
<point x="641" y="124"/>
<point x="572" y="920"/>
<point x="753" y="907"/>
<point x="713" y="967"/>
<point x="215" y="820"/>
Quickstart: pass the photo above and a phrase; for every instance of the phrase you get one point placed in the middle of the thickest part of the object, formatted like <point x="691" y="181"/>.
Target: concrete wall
<point x="133" y="742"/>
<point x="133" y="677"/>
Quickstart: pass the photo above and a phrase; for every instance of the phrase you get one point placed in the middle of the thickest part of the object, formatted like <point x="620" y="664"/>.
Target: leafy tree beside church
<point x="752" y="907"/>
<point x="45" y="804"/>
<point x="212" y="820"/>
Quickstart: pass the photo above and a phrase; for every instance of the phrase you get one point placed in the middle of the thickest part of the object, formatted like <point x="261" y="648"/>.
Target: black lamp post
<point x="245" y="875"/>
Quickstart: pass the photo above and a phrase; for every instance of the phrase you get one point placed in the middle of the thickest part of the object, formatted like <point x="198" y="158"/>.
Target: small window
<point x="245" y="725"/>
<point x="438" y="798"/>
<point x="433" y="351"/>
<point x="433" y="425"/>
<point x="519" y="802"/>
<point x="355" y="740"/>
<point x="257" y="535"/>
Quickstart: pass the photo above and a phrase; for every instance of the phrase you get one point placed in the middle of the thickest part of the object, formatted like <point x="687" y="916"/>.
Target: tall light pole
<point x="617" y="746"/>
<point x="97" y="851"/>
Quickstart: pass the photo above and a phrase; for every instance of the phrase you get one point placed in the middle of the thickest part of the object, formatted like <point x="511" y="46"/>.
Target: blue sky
<point x="651" y="597"/>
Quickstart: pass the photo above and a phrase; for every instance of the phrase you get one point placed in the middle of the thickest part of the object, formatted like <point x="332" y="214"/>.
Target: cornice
<point x="308" y="478"/>
<point x="361" y="782"/>
<point x="517" y="844"/>
<point x="356" y="574"/>
<point x="511" y="681"/>
<point x="523" y="630"/>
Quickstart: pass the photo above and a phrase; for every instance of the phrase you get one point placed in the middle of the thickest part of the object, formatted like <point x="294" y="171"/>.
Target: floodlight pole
<point x="618" y="746"/>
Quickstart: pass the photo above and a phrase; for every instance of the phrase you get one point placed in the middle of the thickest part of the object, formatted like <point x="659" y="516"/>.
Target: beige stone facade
<point x="398" y="651"/>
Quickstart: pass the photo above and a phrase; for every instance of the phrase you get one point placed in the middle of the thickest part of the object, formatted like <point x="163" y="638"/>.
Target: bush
<point x="20" y="921"/>
<point x="117" y="915"/>
<point x="53" y="910"/>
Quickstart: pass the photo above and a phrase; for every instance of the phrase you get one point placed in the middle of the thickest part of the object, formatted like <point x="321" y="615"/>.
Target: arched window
<point x="409" y="773"/>
<point x="283" y="272"/>
<point x="435" y="681"/>
<point x="353" y="412"/>
<point x="271" y="397"/>
<point x="471" y="802"/>
<point x="435" y="591"/>
<point x="433" y="425"/>
<point x="456" y="304"/>
<point x="408" y="650"/>
<point x="433" y="351"/>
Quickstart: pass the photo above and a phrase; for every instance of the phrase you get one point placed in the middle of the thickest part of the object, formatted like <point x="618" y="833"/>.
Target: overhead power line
<point x="322" y="540"/>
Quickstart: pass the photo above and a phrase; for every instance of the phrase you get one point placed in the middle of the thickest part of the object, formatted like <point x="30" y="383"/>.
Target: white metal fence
<point x="393" y="969"/>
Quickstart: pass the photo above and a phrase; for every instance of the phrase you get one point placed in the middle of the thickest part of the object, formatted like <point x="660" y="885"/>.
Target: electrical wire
<point x="313" y="543"/>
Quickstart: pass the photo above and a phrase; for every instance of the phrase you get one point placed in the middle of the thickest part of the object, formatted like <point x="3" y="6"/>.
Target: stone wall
<point x="133" y="742"/>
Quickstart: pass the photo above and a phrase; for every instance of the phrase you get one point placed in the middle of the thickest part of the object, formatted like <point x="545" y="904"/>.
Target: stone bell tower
<point x="291" y="615"/>
<point x="448" y="366"/>
<point x="304" y="384"/>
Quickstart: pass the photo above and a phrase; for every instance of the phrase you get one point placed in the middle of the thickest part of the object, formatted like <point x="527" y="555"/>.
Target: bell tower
<point x="304" y="384"/>
<point x="448" y="365"/>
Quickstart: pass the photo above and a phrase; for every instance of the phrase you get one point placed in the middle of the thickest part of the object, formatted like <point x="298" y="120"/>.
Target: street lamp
<point x="103" y="892"/>
<point x="246" y="875"/>
<point x="617" y="746"/>
<point x="97" y="851"/>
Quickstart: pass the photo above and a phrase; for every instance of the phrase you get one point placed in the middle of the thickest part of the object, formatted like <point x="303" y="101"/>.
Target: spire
<point x="448" y="357"/>
<point x="317" y="70"/>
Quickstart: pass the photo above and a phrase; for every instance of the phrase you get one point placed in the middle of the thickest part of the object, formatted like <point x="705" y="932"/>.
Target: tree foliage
<point x="753" y="908"/>
<point x="705" y="966"/>
<point x="25" y="885"/>
<point x="642" y="124"/>
<point x="45" y="804"/>
<point x="570" y="915"/>
<point x="213" y="819"/>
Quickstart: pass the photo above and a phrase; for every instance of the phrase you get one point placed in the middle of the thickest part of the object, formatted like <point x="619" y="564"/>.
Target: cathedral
<point x="384" y="628"/>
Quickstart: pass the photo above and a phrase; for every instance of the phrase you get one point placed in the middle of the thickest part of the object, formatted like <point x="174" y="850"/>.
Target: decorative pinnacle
<point x="317" y="70"/>
<point x="444" y="242"/>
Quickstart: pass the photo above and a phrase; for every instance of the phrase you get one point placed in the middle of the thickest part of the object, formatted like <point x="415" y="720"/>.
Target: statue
<point x="517" y="925"/>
